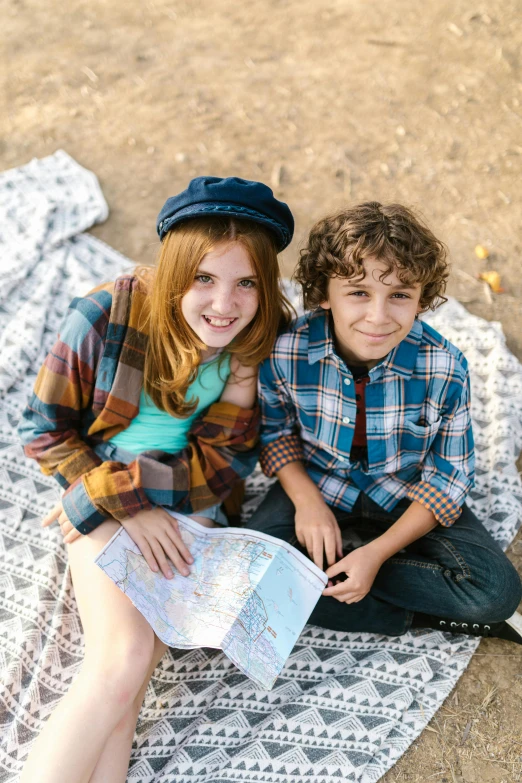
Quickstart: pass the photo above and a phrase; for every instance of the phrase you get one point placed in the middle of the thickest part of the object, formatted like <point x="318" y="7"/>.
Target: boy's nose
<point x="378" y="312"/>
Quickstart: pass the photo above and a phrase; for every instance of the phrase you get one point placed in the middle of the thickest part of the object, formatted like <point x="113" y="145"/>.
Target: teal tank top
<point x="153" y="428"/>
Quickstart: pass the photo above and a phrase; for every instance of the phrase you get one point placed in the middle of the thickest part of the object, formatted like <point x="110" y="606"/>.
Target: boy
<point x="366" y="423"/>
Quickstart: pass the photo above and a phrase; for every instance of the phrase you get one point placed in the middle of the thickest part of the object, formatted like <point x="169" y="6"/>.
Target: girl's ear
<point x="325" y="305"/>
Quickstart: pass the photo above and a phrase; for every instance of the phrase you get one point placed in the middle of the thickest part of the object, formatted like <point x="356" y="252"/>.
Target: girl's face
<point x="223" y="298"/>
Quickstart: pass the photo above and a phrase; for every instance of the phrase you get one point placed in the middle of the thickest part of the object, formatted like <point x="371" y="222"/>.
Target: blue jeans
<point x="456" y="572"/>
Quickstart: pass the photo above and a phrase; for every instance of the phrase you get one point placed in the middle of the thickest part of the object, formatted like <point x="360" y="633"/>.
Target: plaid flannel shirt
<point x="88" y="389"/>
<point x="420" y="442"/>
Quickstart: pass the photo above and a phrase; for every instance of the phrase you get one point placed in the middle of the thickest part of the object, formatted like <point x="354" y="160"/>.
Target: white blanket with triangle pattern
<point x="347" y="705"/>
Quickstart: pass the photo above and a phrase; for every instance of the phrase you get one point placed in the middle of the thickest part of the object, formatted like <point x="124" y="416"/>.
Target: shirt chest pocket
<point x="317" y="418"/>
<point x="412" y="443"/>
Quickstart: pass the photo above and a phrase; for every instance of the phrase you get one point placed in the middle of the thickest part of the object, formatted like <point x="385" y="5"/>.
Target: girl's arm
<point x="241" y="388"/>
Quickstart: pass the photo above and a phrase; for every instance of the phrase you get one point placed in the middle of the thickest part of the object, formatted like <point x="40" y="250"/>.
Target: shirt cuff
<point x="279" y="453"/>
<point x="444" y="509"/>
<point x="80" y="510"/>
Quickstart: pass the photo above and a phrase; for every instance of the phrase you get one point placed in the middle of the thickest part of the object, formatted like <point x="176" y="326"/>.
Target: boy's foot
<point x="510" y="629"/>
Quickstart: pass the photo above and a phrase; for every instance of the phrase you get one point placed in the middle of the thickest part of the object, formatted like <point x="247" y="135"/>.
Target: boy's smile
<point x="371" y="315"/>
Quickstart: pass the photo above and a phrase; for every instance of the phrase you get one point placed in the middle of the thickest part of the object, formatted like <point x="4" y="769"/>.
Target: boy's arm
<point x="448" y="470"/>
<point x="280" y="442"/>
<point x="316" y="526"/>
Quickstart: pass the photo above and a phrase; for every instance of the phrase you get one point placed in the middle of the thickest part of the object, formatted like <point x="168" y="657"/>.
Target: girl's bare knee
<point x="118" y="671"/>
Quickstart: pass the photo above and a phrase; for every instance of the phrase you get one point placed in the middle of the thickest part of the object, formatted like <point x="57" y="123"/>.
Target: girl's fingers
<point x="175" y="537"/>
<point x="52" y="516"/>
<point x="170" y="547"/>
<point x="66" y="527"/>
<point x="146" y="551"/>
<point x="160" y="557"/>
<point x="72" y="536"/>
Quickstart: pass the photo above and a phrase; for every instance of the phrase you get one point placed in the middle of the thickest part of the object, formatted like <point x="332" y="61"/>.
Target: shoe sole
<point x="515" y="621"/>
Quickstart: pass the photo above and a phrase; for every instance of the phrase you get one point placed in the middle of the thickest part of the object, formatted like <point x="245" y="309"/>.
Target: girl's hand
<point x="69" y="532"/>
<point x="361" y="567"/>
<point x="157" y="535"/>
<point x="318" y="531"/>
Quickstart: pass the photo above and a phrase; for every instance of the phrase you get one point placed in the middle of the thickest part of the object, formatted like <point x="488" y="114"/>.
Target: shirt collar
<point x="320" y="339"/>
<point x="401" y="360"/>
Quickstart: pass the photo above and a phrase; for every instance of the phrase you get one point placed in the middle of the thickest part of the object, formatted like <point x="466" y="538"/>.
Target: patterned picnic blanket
<point x="347" y="705"/>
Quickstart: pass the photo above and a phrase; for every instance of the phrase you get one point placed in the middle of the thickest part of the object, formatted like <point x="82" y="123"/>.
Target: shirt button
<point x="346" y="420"/>
<point x="347" y="381"/>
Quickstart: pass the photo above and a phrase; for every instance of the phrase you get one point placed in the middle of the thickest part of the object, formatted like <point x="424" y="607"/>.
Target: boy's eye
<point x="358" y="293"/>
<point x="401" y="296"/>
<point x="203" y="278"/>
<point x="246" y="284"/>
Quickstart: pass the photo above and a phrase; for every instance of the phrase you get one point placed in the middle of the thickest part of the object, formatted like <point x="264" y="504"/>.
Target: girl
<point x="114" y="417"/>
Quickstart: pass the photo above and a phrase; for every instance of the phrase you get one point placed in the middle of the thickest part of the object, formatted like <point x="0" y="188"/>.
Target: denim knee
<point x="500" y="594"/>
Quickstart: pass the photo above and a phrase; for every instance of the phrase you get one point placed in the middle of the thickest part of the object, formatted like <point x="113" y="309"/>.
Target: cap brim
<point x="231" y="210"/>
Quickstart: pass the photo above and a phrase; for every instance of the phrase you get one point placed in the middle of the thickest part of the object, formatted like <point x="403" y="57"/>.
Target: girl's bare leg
<point x="114" y="761"/>
<point x="119" y="653"/>
<point x="205" y="521"/>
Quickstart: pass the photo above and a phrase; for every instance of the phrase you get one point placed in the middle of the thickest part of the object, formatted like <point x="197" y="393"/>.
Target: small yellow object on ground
<point x="481" y="251"/>
<point x="493" y="280"/>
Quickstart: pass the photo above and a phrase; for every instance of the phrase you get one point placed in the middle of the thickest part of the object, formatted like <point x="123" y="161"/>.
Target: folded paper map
<point x="248" y="594"/>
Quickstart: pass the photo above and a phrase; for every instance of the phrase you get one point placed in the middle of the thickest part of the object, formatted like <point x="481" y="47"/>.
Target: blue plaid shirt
<point x="418" y="425"/>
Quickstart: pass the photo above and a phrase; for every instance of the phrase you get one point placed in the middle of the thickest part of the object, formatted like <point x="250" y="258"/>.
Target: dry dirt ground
<point x="330" y="101"/>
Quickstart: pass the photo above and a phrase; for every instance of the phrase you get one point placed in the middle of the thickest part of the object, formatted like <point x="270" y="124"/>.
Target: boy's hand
<point x="157" y="535"/>
<point x="318" y="531"/>
<point x="57" y="514"/>
<point x="361" y="567"/>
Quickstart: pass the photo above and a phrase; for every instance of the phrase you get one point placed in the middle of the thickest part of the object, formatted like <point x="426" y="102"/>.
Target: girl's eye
<point x="203" y="278"/>
<point x="246" y="284"/>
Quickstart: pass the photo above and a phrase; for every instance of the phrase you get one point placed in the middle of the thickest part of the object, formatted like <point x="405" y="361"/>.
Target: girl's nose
<point x="222" y="300"/>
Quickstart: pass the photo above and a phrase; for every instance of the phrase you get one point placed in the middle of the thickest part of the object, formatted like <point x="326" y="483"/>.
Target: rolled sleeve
<point x="448" y="471"/>
<point x="443" y="508"/>
<point x="278" y="453"/>
<point x="280" y="442"/>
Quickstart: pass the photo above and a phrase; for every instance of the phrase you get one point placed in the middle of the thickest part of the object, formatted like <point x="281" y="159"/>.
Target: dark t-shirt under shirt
<point x="359" y="450"/>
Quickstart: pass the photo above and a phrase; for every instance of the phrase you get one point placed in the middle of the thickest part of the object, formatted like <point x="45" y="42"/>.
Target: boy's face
<point x="371" y="316"/>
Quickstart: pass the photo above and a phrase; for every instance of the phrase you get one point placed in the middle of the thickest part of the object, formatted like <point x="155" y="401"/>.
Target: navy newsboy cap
<point x="240" y="198"/>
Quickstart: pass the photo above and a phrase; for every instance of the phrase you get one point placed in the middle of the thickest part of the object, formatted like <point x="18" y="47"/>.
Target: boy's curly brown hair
<point x="392" y="233"/>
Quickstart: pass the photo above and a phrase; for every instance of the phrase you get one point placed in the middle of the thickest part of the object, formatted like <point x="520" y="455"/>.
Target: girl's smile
<point x="219" y="323"/>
